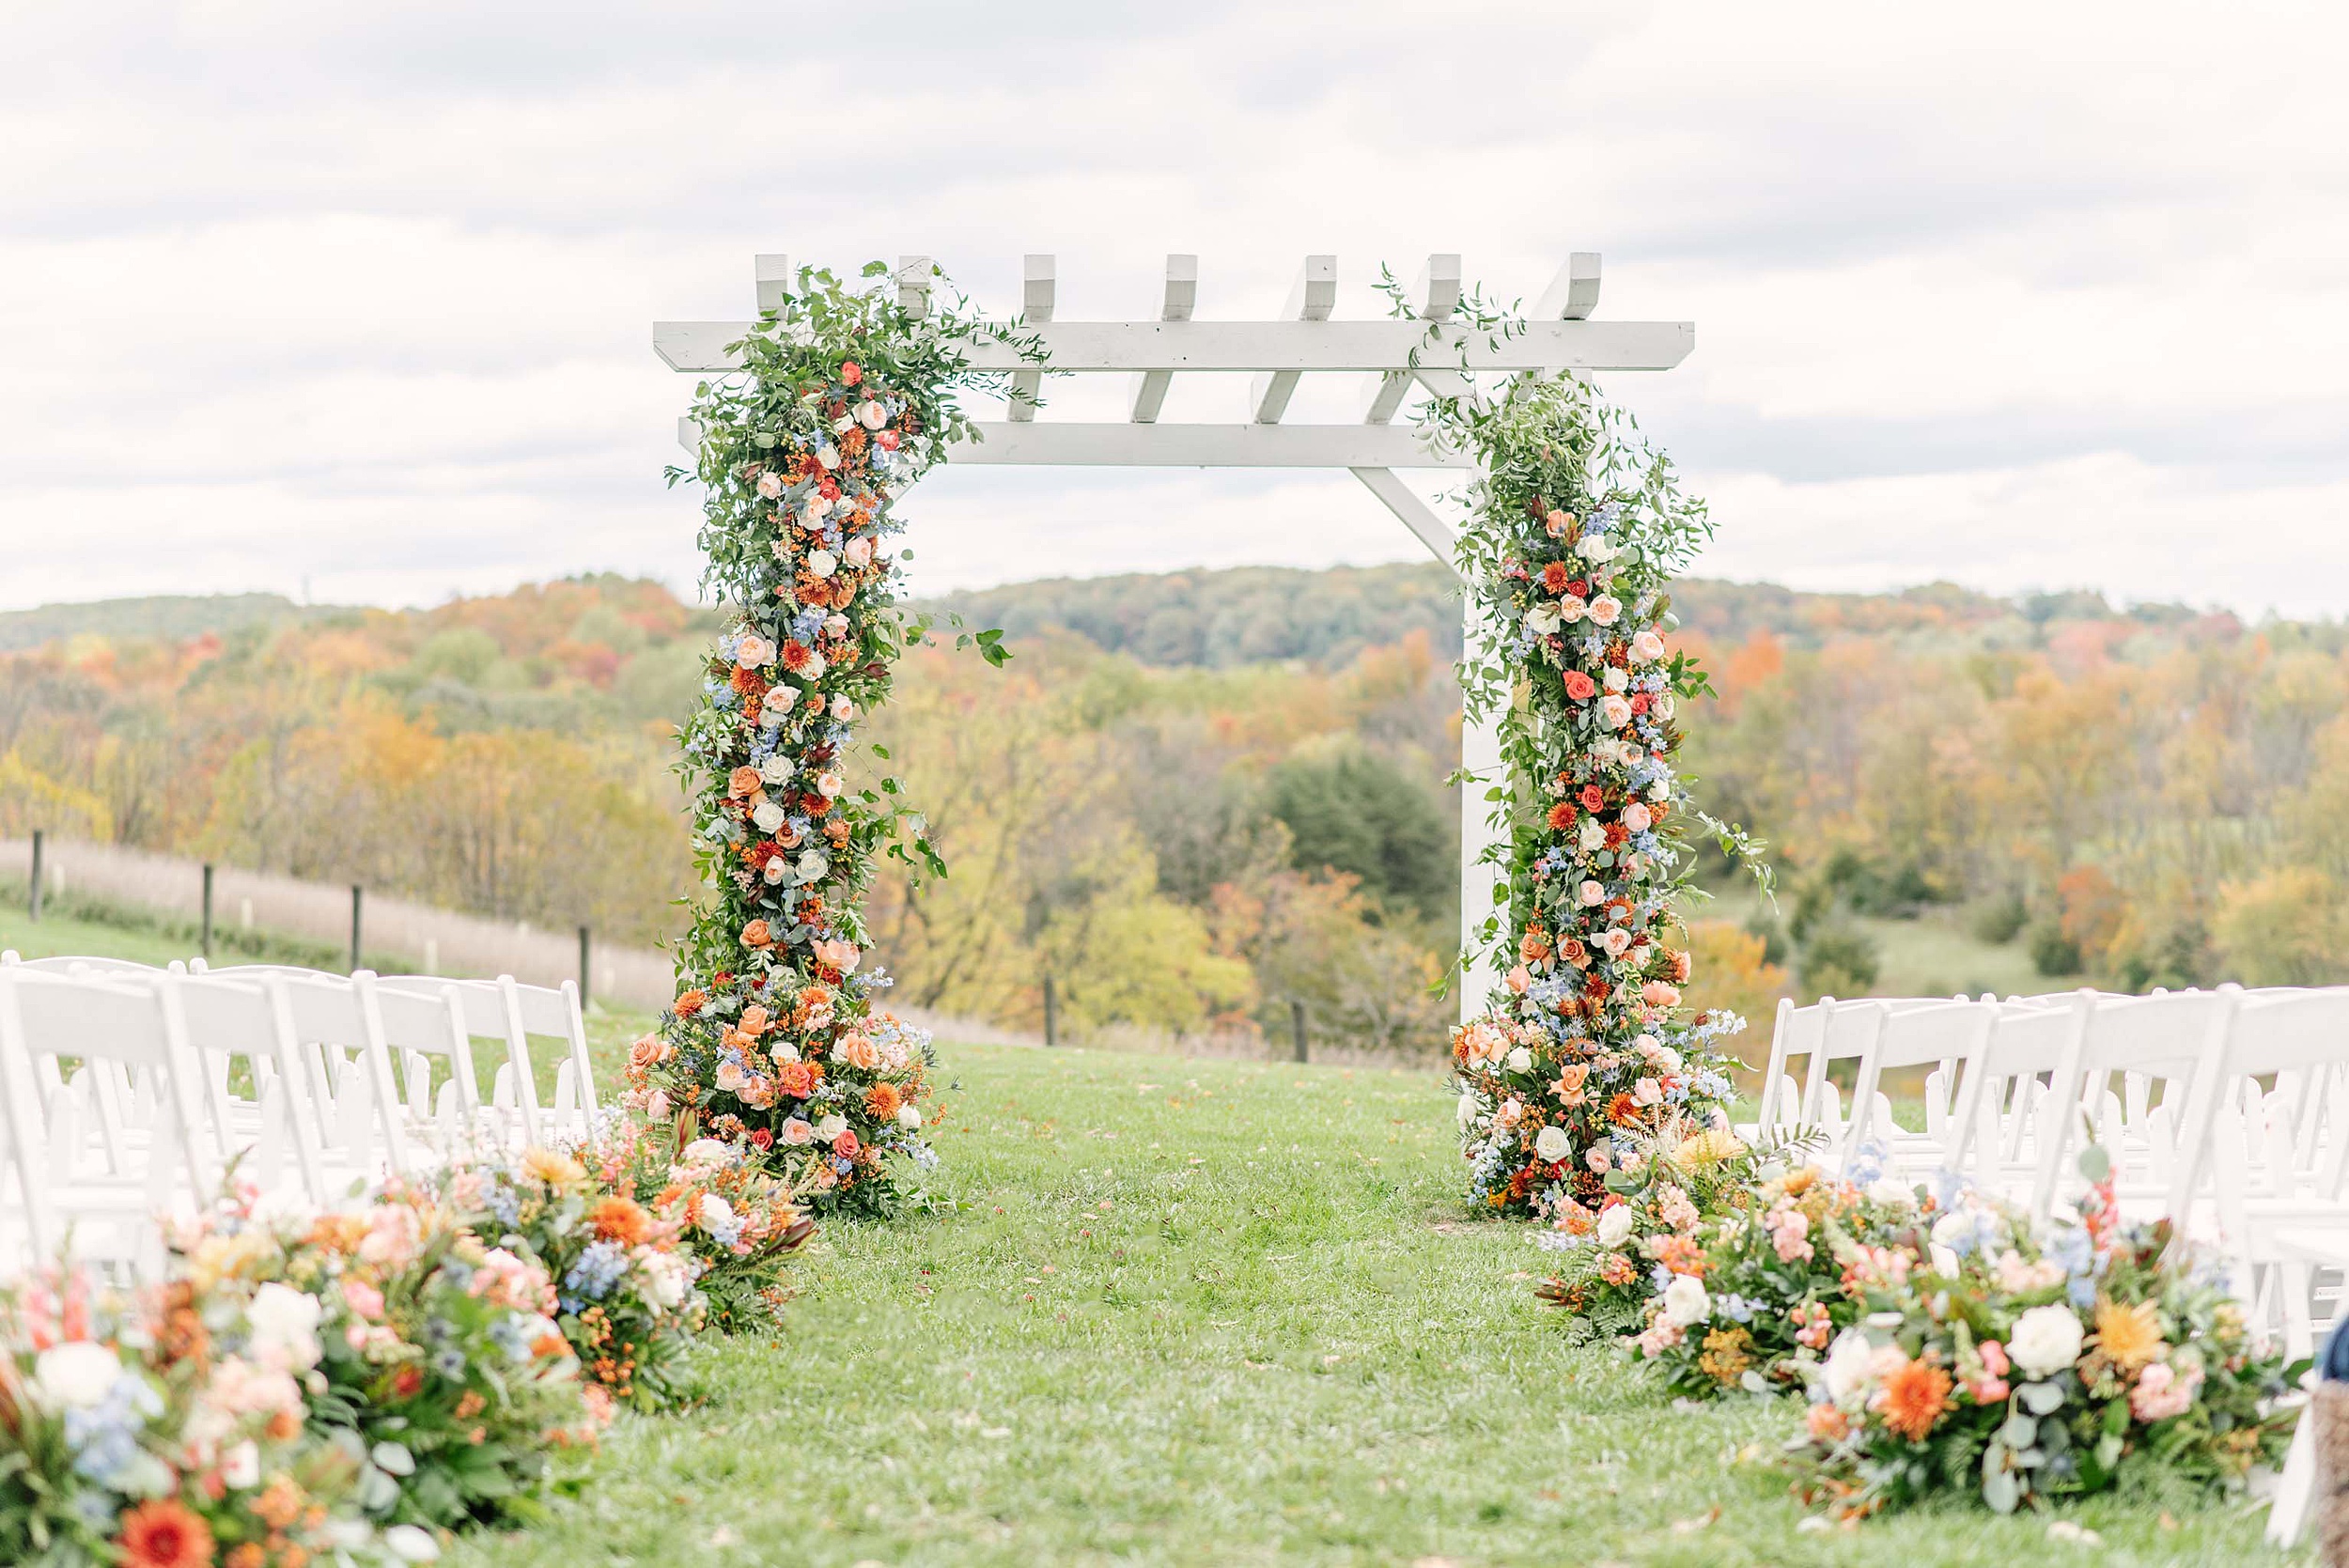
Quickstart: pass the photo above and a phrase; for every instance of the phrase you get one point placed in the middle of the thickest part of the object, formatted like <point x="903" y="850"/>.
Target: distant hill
<point x="168" y="617"/>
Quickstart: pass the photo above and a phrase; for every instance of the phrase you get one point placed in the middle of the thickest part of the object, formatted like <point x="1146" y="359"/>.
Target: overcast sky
<point x="2022" y="296"/>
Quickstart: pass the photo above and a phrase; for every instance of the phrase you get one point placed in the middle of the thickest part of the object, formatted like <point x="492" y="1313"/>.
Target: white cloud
<point x="361" y="294"/>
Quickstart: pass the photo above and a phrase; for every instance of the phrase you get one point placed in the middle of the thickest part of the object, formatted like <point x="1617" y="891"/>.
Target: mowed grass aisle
<point x="1218" y="1313"/>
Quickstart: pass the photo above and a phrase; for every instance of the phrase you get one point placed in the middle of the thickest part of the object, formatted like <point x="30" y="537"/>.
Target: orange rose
<point x="754" y="1020"/>
<point x="756" y="934"/>
<point x="859" y="1050"/>
<point x="742" y="782"/>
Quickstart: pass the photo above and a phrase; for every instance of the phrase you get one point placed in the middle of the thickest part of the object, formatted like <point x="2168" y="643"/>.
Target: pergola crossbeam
<point x="1082" y="348"/>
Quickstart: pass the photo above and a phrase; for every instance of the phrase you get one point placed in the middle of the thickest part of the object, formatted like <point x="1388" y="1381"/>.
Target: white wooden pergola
<point x="1396" y="355"/>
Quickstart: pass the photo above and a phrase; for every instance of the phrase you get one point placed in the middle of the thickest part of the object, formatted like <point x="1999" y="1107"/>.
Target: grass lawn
<point x="1193" y="1311"/>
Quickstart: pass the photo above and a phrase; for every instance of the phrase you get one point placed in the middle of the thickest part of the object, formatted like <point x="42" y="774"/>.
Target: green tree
<point x="1352" y="810"/>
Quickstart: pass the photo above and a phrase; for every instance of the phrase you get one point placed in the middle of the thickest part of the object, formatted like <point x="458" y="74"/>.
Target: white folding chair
<point x="331" y="1021"/>
<point x="2154" y="1039"/>
<point x="1940" y="1036"/>
<point x="227" y="1019"/>
<point x="420" y="1028"/>
<point x="2003" y="1108"/>
<point x="94" y="1182"/>
<point x="489" y="1012"/>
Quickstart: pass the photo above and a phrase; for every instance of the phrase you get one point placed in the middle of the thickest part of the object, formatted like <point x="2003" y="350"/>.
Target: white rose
<point x="1663" y="709"/>
<point x="813" y="865"/>
<point x="240" y="1467"/>
<point x="843" y="424"/>
<point x="1594" y="834"/>
<point x="1542" y="622"/>
<point x="1849" y="1366"/>
<point x="1552" y="1145"/>
<point x="871" y="414"/>
<point x="1953" y="1227"/>
<point x="1613" y="711"/>
<point x="666" y="1276"/>
<point x="1661" y="789"/>
<point x="1616" y="680"/>
<point x="1636" y="818"/>
<point x="75" y="1376"/>
<point x="1605" y="609"/>
<point x="1594" y="547"/>
<point x="829" y="456"/>
<point x="706" y="1151"/>
<point x="777" y="769"/>
<point x="830" y="1127"/>
<point x="823" y="563"/>
<point x="284" y="1318"/>
<point x="766" y="816"/>
<point x="1469" y="1104"/>
<point x="1614" y="1225"/>
<point x="1521" y="1059"/>
<point x="910" y="1117"/>
<point x="716" y="1214"/>
<point x="770" y="485"/>
<point x="1685" y="1301"/>
<point x="2045" y="1340"/>
<point x="1887" y="1190"/>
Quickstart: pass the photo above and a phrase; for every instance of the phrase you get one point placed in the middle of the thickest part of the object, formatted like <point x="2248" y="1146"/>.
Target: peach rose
<point x="757" y="935"/>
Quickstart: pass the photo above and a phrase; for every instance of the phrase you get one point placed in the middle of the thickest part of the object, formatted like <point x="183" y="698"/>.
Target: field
<point x="1188" y="1312"/>
<point x="1213" y="1312"/>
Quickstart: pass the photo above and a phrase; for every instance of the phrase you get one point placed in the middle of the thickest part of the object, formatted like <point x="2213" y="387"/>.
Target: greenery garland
<point x="1588" y="1085"/>
<point x="845" y="398"/>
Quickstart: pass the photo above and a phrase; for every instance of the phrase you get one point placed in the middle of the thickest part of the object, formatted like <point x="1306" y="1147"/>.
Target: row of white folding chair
<point x="348" y="1031"/>
<point x="510" y="1011"/>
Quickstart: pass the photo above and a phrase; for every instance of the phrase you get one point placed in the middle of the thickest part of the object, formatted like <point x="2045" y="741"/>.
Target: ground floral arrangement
<point x="845" y="396"/>
<point x="1945" y="1343"/>
<point x="351" y="1387"/>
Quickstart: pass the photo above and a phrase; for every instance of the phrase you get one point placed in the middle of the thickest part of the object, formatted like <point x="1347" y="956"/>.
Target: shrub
<point x="1998" y="919"/>
<point x="1840" y="959"/>
<point x="2051" y="951"/>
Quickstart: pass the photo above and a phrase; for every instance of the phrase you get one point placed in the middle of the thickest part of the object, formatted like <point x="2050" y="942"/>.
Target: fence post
<point x="356" y="894"/>
<point x="1296" y="1027"/>
<point x="205" y="945"/>
<point x="582" y="967"/>
<point x="1052" y="1019"/>
<point x="32" y="903"/>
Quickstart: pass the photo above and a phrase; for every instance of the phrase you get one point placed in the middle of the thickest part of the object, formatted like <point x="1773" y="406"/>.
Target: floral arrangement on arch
<point x="844" y="398"/>
<point x="1588" y="1068"/>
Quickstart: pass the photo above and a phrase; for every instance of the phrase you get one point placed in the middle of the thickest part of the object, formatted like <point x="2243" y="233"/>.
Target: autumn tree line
<point x="1198" y="799"/>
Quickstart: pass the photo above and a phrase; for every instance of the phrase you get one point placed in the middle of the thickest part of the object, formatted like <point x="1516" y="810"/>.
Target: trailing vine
<point x="844" y="398"/>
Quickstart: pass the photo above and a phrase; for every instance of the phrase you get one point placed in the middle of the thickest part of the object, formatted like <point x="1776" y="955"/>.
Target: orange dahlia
<point x="164" y="1533"/>
<point x="1915" y="1395"/>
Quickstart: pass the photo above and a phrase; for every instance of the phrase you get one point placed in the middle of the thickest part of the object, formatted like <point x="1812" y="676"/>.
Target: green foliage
<point x="1352" y="810"/>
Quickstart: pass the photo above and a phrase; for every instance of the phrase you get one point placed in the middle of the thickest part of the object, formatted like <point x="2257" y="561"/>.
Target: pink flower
<point x="2161" y="1393"/>
<point x="1993" y="1355"/>
<point x="364" y="1298"/>
<point x="796" y="1132"/>
<point x="1519" y="978"/>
